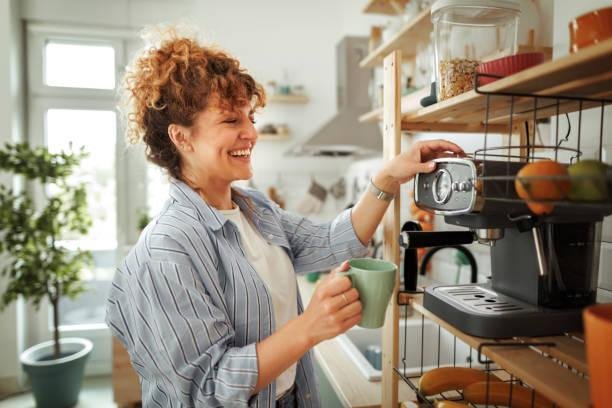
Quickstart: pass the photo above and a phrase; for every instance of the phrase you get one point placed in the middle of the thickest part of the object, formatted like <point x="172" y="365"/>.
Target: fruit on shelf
<point x="444" y="379"/>
<point x="505" y="395"/>
<point x="541" y="181"/>
<point x="588" y="181"/>
<point x="540" y="208"/>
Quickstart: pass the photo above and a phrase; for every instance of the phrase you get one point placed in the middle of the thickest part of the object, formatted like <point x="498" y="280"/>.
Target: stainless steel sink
<point x="439" y="348"/>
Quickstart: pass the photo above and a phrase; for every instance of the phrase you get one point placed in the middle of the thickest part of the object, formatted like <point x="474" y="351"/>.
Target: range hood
<point x="343" y="134"/>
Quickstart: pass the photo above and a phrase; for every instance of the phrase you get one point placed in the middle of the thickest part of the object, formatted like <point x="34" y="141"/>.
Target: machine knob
<point x="465" y="186"/>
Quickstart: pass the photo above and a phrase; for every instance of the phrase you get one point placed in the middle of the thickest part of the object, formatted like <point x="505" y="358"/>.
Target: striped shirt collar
<point x="212" y="217"/>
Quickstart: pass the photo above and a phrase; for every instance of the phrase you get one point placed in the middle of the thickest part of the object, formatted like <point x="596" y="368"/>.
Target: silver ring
<point x="345" y="299"/>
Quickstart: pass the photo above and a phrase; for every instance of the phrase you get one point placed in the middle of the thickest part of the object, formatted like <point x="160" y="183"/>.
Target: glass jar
<point x="466" y="33"/>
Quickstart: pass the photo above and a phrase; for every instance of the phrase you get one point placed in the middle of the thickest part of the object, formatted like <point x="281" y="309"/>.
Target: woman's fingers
<point x="442" y="145"/>
<point x="344" y="299"/>
<point x="334" y="286"/>
<point x="437" y="148"/>
<point x="344" y="266"/>
<point x="350" y="322"/>
<point x="349" y="311"/>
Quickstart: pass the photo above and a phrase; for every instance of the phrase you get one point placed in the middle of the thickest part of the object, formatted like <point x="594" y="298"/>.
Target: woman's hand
<point x="334" y="307"/>
<point x="405" y="166"/>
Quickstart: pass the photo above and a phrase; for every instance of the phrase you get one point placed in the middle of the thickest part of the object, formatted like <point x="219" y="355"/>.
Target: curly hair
<point x="173" y="81"/>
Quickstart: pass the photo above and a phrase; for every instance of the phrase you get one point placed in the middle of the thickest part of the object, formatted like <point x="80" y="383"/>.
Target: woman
<point x="206" y="302"/>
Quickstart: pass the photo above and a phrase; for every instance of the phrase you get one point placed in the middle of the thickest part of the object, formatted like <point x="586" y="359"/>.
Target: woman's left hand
<point x="417" y="159"/>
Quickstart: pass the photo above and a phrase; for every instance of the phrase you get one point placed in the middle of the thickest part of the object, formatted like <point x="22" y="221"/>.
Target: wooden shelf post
<point x="391" y="148"/>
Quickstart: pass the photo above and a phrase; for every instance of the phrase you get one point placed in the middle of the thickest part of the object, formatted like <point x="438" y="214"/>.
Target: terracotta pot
<point x="590" y="28"/>
<point x="598" y="332"/>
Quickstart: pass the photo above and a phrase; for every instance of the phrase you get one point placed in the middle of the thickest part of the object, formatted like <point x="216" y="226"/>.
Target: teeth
<point x="244" y="152"/>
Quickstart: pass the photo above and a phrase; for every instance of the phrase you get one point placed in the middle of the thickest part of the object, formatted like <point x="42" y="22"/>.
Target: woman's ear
<point x="179" y="135"/>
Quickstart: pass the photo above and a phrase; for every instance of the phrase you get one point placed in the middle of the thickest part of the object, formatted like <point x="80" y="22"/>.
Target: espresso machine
<point x="543" y="268"/>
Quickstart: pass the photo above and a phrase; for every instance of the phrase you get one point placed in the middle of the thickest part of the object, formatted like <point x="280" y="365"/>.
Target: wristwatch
<point x="378" y="193"/>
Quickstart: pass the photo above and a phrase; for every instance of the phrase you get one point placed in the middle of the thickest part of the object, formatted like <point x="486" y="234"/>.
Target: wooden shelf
<point x="274" y="136"/>
<point x="409" y="103"/>
<point x="535" y="366"/>
<point x="415" y="32"/>
<point x="288" y="99"/>
<point x="586" y="74"/>
<point x="374" y="115"/>
<point x="388" y="7"/>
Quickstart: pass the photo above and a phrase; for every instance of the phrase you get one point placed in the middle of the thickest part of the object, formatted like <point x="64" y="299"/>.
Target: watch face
<point x="441" y="186"/>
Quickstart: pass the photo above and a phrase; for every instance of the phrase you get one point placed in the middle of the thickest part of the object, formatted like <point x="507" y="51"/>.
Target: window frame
<point x="130" y="170"/>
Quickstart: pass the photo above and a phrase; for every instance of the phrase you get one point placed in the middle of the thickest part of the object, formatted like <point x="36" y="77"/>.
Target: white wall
<point x="11" y="129"/>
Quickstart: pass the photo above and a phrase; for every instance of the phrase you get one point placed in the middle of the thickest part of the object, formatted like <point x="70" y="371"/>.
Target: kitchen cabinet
<point x="557" y="372"/>
<point x="126" y="387"/>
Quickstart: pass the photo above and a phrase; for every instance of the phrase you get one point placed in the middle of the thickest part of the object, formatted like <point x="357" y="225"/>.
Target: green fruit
<point x="588" y="181"/>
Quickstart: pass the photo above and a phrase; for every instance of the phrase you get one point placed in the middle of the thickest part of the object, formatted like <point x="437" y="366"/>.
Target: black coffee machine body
<point x="543" y="268"/>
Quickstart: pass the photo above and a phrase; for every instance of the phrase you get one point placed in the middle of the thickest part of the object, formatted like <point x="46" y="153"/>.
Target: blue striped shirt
<point x="189" y="308"/>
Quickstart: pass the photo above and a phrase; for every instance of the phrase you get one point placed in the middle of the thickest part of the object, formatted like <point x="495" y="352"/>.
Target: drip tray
<point x="478" y="299"/>
<point x="480" y="311"/>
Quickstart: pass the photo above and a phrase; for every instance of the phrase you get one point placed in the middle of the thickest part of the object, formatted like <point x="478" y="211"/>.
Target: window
<point x="72" y="102"/>
<point x="157" y="189"/>
<point x="71" y="129"/>
<point x="65" y="131"/>
<point x="79" y="65"/>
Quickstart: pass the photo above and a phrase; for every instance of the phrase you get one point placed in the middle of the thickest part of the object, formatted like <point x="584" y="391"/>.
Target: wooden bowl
<point x="590" y="28"/>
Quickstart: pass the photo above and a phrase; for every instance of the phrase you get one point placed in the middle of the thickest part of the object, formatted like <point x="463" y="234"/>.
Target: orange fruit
<point x="544" y="180"/>
<point x="540" y="208"/>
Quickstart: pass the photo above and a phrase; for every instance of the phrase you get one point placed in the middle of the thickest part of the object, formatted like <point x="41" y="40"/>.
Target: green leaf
<point x="29" y="235"/>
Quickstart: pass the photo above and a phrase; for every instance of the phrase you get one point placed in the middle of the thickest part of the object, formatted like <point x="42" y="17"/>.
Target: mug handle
<point x="349" y="274"/>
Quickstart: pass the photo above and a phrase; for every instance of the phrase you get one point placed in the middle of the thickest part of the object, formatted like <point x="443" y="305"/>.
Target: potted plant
<point x="36" y="265"/>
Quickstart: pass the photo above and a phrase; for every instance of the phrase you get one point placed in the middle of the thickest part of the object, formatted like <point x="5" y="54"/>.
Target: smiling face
<point x="217" y="149"/>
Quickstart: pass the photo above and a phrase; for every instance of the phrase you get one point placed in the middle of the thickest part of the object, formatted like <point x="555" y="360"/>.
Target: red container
<point x="509" y="65"/>
<point x="590" y="28"/>
<point x="598" y="335"/>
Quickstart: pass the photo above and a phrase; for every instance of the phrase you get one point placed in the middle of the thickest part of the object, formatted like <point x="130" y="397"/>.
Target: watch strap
<point x="378" y="193"/>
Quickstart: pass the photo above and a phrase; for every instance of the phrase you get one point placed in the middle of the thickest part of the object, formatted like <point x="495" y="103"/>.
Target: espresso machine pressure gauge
<point x="449" y="190"/>
<point x="442" y="186"/>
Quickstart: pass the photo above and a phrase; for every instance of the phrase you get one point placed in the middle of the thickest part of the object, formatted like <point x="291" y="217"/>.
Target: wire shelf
<point x="437" y="345"/>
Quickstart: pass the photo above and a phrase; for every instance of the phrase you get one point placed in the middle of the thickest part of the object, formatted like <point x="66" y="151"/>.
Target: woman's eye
<point x="230" y="120"/>
<point x="253" y="121"/>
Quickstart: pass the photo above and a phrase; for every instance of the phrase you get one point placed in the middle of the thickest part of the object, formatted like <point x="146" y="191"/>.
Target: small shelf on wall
<point x="297" y="99"/>
<point x="406" y="40"/>
<point x="585" y="74"/>
<point x="274" y="136"/>
<point x="387" y="7"/>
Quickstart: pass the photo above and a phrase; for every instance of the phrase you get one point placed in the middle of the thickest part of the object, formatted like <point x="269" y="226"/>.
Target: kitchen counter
<point x="351" y="387"/>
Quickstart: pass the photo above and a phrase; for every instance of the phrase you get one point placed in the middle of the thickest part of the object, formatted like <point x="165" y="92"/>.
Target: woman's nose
<point x="249" y="132"/>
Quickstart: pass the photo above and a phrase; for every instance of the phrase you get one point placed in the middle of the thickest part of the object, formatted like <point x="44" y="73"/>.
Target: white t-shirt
<point x="273" y="265"/>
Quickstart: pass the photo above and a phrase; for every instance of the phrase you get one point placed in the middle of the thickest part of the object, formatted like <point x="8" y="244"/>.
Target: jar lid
<point x="505" y="4"/>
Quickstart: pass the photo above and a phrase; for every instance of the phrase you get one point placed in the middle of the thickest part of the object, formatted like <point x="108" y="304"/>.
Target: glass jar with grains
<point x="466" y="33"/>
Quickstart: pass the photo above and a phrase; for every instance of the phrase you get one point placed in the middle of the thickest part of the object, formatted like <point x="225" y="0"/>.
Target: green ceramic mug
<point x="374" y="279"/>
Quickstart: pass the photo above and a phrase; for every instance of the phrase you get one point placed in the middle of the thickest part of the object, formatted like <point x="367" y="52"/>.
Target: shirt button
<point x="270" y="236"/>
